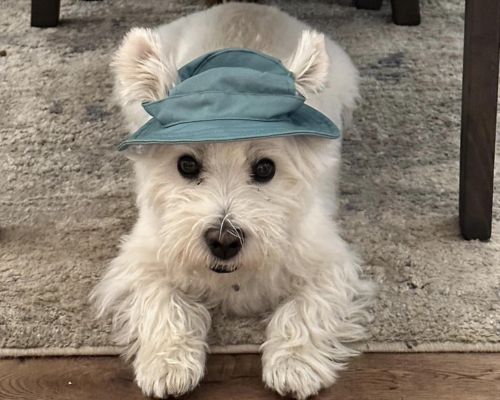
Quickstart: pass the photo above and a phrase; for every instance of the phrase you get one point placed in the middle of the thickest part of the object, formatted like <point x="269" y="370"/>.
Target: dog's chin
<point x="223" y="268"/>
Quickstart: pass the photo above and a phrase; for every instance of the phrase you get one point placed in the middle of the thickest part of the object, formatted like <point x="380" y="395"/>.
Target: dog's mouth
<point x="223" y="269"/>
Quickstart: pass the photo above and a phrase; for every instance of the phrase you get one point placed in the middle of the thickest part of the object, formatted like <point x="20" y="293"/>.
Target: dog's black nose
<point x="224" y="244"/>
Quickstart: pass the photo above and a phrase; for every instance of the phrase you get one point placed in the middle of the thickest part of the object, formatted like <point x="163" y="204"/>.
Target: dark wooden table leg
<point x="368" y="4"/>
<point x="406" y="12"/>
<point x="44" y="13"/>
<point x="479" y="113"/>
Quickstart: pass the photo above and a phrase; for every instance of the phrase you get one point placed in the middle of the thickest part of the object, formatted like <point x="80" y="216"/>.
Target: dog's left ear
<point x="142" y="70"/>
<point x="310" y="63"/>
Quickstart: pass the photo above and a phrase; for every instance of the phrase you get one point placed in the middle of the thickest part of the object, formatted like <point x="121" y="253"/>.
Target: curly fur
<point x="160" y="289"/>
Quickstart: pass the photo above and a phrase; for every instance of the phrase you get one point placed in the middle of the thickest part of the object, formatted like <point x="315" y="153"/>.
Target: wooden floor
<point x="371" y="377"/>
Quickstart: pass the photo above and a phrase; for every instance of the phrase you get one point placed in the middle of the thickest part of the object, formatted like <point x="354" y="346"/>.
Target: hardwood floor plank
<point x="446" y="376"/>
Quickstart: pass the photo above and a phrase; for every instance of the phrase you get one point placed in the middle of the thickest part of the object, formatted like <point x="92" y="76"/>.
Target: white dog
<point x="260" y="209"/>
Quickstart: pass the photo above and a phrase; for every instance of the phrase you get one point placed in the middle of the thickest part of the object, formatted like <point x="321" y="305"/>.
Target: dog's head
<point x="223" y="206"/>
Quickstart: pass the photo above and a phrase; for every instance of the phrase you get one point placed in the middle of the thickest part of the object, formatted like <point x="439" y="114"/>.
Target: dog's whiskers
<point x="235" y="232"/>
<point x="222" y="224"/>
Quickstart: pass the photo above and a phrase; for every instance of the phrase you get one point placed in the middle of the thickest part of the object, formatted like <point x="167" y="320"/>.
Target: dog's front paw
<point x="160" y="376"/>
<point x="291" y="375"/>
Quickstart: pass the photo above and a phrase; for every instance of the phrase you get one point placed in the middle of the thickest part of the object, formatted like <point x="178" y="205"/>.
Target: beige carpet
<point x="65" y="193"/>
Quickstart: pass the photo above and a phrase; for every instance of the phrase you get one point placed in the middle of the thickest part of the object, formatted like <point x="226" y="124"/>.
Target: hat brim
<point x="303" y="121"/>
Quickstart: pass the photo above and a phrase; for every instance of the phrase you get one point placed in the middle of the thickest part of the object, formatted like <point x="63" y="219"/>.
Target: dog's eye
<point x="263" y="170"/>
<point x="188" y="167"/>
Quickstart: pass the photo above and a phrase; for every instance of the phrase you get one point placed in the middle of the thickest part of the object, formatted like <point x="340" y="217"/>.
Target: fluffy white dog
<point x="259" y="210"/>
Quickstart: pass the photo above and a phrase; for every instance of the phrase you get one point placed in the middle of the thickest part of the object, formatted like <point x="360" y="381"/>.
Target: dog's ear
<point x="142" y="71"/>
<point x="310" y="63"/>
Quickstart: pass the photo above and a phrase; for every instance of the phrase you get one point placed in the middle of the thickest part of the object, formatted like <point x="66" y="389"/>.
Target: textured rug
<point x="65" y="193"/>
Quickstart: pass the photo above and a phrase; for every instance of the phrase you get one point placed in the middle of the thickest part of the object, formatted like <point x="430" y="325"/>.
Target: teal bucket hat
<point x="228" y="95"/>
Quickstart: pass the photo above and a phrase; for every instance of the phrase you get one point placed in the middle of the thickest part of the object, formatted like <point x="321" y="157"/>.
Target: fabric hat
<point x="228" y="95"/>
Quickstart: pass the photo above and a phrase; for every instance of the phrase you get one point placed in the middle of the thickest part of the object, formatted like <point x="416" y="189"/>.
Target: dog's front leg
<point x="170" y="349"/>
<point x="303" y="351"/>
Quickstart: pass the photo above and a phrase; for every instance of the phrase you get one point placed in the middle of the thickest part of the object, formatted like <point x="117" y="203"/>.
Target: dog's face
<point x="229" y="206"/>
<point x="226" y="206"/>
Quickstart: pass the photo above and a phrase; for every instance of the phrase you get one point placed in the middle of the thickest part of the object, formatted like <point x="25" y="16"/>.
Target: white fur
<point x="309" y="62"/>
<point x="293" y="263"/>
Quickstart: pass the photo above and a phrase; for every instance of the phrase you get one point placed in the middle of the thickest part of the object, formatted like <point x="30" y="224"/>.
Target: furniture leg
<point x="368" y="4"/>
<point x="405" y="12"/>
<point x="479" y="113"/>
<point x="44" y="13"/>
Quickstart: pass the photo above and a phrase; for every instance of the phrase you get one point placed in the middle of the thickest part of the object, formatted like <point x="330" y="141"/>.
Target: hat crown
<point x="234" y="58"/>
<point x="233" y="80"/>
<point x="227" y="84"/>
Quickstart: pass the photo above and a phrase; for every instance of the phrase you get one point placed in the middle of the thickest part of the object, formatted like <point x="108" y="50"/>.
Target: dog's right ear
<point x="142" y="71"/>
